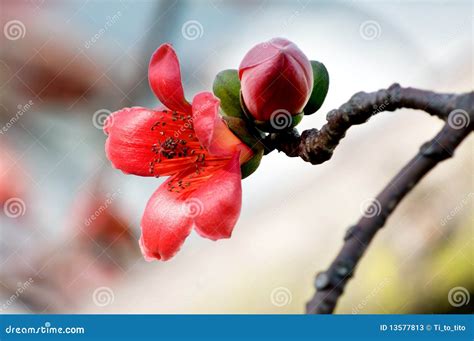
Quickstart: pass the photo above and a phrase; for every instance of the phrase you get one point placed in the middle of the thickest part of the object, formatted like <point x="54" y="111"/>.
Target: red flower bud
<point x="275" y="77"/>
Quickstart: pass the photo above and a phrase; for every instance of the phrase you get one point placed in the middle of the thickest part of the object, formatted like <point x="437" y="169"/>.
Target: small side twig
<point x="317" y="146"/>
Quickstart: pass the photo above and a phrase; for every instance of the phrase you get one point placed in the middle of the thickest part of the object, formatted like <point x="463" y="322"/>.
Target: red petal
<point x="212" y="131"/>
<point x="221" y="199"/>
<point x="263" y="52"/>
<point x="134" y="131"/>
<point x="275" y="76"/>
<point x="208" y="197"/>
<point x="165" y="224"/>
<point x="164" y="76"/>
<point x="257" y="55"/>
<point x="277" y="84"/>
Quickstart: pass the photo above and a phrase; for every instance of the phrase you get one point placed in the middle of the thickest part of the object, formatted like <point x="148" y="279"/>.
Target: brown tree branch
<point x="330" y="284"/>
<point x="317" y="146"/>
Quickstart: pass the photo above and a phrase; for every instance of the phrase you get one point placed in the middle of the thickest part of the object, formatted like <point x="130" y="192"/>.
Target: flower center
<point x="178" y="152"/>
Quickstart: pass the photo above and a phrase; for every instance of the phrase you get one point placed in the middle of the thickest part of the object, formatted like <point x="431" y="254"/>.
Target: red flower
<point x="275" y="76"/>
<point x="191" y="144"/>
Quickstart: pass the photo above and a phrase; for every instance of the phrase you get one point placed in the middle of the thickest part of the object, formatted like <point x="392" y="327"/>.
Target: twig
<point x="457" y="110"/>
<point x="330" y="284"/>
<point x="316" y="147"/>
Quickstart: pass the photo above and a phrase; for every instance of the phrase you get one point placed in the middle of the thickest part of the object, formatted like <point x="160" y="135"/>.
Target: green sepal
<point x="251" y="165"/>
<point x="252" y="138"/>
<point x="227" y="88"/>
<point x="320" y="88"/>
<point x="249" y="135"/>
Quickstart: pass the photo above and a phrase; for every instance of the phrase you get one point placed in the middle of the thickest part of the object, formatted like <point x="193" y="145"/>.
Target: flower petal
<point x="211" y="203"/>
<point x="164" y="76"/>
<point x="212" y="131"/>
<point x="263" y="52"/>
<point x="165" y="224"/>
<point x="221" y="199"/>
<point x="136" y="134"/>
<point x="257" y="55"/>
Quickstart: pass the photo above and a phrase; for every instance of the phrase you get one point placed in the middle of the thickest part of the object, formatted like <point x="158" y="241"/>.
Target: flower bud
<point x="276" y="79"/>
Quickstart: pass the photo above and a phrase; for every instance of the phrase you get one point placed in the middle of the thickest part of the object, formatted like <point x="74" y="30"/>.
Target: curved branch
<point x="317" y="146"/>
<point x="330" y="284"/>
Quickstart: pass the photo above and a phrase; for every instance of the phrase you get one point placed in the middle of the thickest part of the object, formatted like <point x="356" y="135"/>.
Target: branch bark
<point x="317" y="146"/>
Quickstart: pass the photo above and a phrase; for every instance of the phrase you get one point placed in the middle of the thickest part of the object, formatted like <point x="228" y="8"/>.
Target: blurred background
<point x="69" y="222"/>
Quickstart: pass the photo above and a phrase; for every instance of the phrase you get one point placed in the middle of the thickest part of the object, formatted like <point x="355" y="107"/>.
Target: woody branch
<point x="317" y="146"/>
